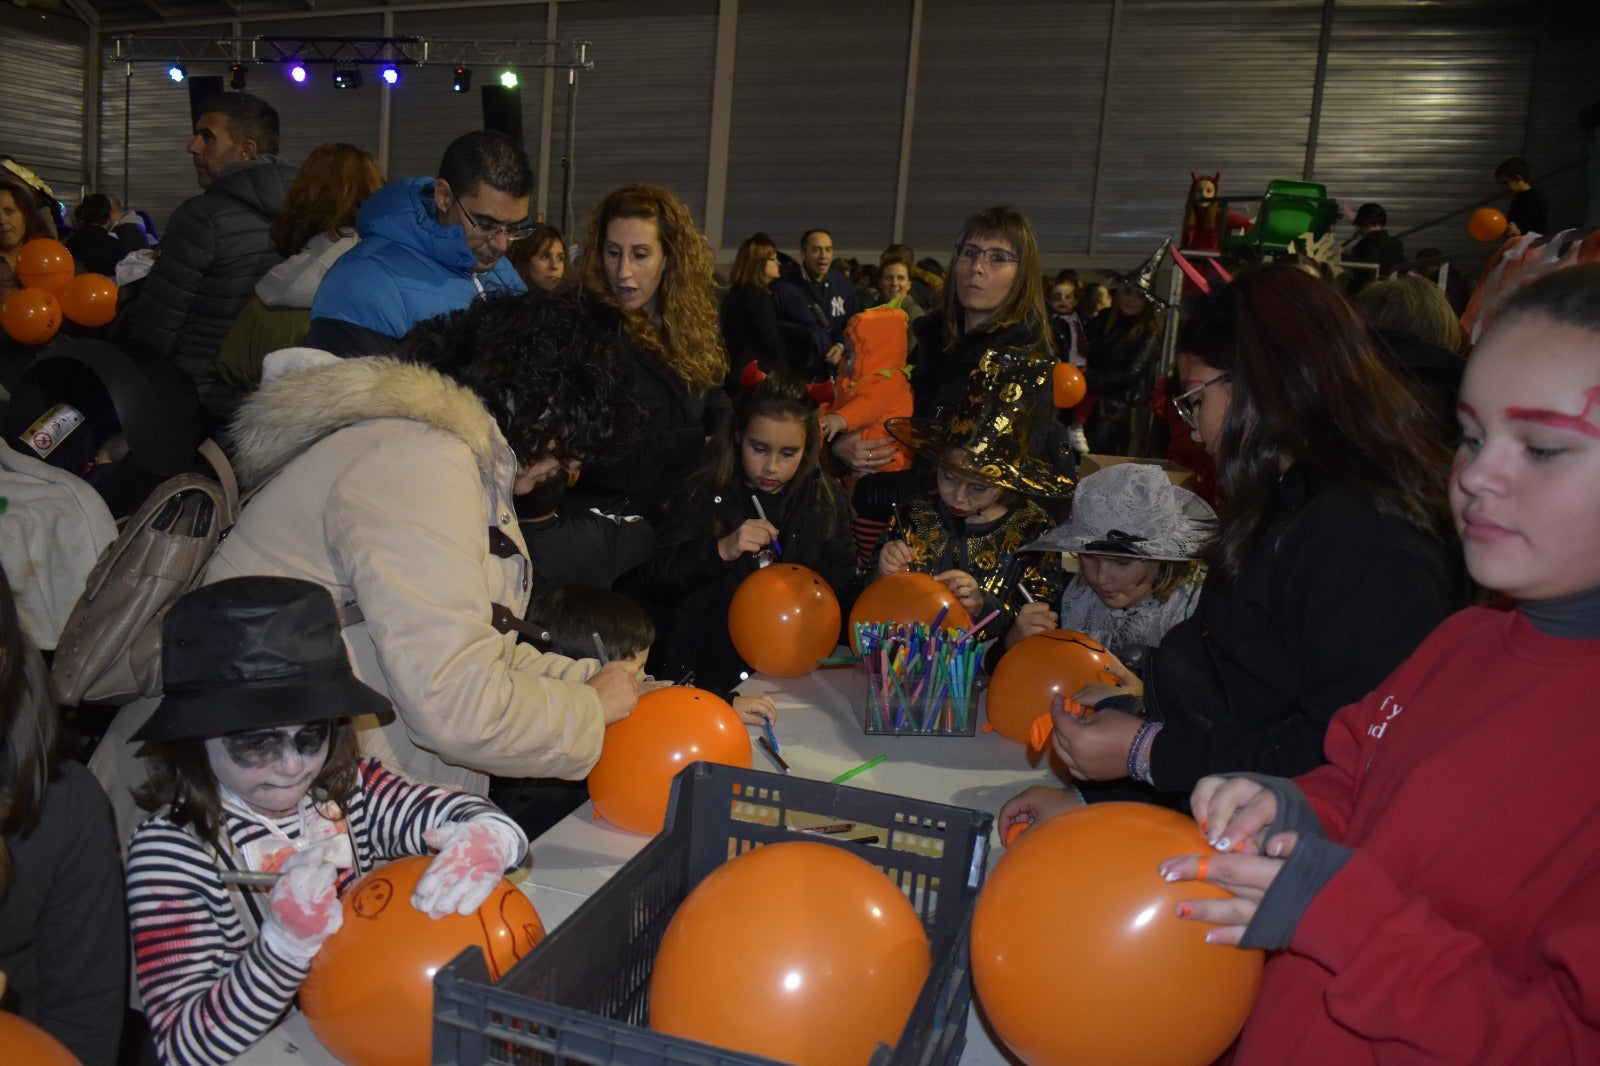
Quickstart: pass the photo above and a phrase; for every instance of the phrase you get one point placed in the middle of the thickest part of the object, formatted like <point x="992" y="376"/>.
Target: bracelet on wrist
<point x="1139" y="752"/>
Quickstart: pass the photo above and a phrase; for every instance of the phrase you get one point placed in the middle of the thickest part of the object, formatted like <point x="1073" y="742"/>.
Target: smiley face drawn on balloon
<point x="372" y="898"/>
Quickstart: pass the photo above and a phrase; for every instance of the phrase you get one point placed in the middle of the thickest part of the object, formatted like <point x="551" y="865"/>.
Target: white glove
<point x="473" y="856"/>
<point x="305" y="908"/>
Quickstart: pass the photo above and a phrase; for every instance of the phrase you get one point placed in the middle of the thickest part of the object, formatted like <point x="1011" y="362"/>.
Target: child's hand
<point x="832" y="425"/>
<point x="304" y="908"/>
<point x="473" y="856"/>
<point x="1033" y="618"/>
<point x="752" y="535"/>
<point x="756" y="710"/>
<point x="895" y="556"/>
<point x="618" y="685"/>
<point x="1247" y="877"/>
<point x="1233" y="812"/>
<point x="1127" y="680"/>
<point x="965" y="588"/>
<point x="1031" y="805"/>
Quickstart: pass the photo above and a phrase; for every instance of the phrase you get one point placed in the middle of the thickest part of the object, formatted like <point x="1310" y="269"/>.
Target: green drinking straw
<point x="863" y="768"/>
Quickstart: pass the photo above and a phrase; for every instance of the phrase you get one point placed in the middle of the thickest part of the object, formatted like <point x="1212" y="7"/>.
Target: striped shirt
<point x="211" y="988"/>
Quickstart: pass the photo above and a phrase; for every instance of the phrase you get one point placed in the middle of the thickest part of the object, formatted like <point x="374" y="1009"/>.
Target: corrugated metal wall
<point x="1089" y="115"/>
<point x="41" y="125"/>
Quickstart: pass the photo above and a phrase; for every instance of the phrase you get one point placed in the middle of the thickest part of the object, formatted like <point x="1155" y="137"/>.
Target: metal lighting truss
<point x="353" y="51"/>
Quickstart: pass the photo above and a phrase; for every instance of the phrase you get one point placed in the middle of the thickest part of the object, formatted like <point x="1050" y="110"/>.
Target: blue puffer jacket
<point x="407" y="266"/>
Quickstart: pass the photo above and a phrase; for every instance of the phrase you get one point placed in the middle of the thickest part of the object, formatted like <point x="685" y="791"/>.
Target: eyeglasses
<point x="1186" y="403"/>
<point x="513" y="231"/>
<point x="995" y="257"/>
<point x="263" y="747"/>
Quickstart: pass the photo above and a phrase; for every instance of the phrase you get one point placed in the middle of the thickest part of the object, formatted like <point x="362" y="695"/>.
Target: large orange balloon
<point x="1079" y="894"/>
<point x="1068" y="385"/>
<point x="784" y="618"/>
<point x="668" y="729"/>
<point x="369" y="995"/>
<point x="801" y="952"/>
<point x="907" y="597"/>
<point x="44" y="264"/>
<point x="25" y="1042"/>
<point x="1487" y="224"/>
<point x="1031" y="673"/>
<point x="31" y="316"/>
<point x="89" y="299"/>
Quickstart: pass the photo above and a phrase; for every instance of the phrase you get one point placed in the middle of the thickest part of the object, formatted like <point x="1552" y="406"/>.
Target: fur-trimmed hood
<point x="306" y="394"/>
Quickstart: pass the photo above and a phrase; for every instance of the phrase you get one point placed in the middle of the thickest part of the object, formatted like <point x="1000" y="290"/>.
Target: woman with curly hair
<point x="647" y="271"/>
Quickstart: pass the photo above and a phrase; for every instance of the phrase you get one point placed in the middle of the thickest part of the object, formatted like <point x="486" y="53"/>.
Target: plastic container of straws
<point x="919" y="681"/>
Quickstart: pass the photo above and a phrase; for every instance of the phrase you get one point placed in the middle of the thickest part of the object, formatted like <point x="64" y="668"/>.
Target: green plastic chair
<point x="1289" y="208"/>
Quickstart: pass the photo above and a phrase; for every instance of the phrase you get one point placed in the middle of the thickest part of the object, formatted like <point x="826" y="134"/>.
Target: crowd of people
<point x="497" y="484"/>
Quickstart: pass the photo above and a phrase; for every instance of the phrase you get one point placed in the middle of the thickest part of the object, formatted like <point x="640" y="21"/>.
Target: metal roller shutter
<point x="41" y="125"/>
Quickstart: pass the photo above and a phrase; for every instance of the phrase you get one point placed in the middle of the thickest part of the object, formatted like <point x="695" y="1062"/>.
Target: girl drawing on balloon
<point x="254" y="770"/>
<point x="759" y="496"/>
<point x="968" y="532"/>
<point x="1430" y="893"/>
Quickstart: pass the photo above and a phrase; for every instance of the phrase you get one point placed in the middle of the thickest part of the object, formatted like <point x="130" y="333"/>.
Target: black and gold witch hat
<point x="991" y="429"/>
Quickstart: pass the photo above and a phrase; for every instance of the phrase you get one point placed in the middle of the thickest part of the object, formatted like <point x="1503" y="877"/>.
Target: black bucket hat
<point x="254" y="653"/>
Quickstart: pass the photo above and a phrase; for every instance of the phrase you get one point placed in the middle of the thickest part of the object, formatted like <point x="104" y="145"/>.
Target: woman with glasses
<point x="1332" y="559"/>
<point x="647" y="273"/>
<point x="992" y="302"/>
<point x="748" y="317"/>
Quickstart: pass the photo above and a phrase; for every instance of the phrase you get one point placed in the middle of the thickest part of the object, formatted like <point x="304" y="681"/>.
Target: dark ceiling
<point x="116" y="14"/>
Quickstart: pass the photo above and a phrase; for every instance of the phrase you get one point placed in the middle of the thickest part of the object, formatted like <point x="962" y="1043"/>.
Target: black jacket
<point x="1332" y="599"/>
<point x="1120" y="364"/>
<point x="812" y="316"/>
<point x="749" y="320"/>
<point x="689" y="586"/>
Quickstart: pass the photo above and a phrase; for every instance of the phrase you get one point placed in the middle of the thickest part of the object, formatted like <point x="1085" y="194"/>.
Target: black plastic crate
<point x="582" y="996"/>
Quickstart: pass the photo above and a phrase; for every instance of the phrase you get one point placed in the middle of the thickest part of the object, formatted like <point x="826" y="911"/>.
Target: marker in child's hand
<point x="1027" y="596"/>
<point x="599" y="648"/>
<point x="762" y="514"/>
<point x="767" y="731"/>
<point x="777" y="760"/>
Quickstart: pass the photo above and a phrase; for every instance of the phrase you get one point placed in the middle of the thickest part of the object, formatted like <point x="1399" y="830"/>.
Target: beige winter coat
<point x="388" y="480"/>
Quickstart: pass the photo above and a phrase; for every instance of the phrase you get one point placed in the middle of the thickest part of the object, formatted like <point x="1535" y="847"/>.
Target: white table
<point x="820" y="732"/>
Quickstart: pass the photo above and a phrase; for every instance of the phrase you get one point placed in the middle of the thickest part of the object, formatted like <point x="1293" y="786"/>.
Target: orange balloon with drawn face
<point x="1033" y="672"/>
<point x="369" y="995"/>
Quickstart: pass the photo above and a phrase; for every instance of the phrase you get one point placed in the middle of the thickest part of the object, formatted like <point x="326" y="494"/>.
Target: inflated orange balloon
<point x="44" y="264"/>
<point x="1031" y="673"/>
<point x="801" y="952"/>
<point x="1068" y="386"/>
<point x="30" y="316"/>
<point x="1487" y="224"/>
<point x="782" y="619"/>
<point x="369" y="995"/>
<point x="89" y="299"/>
<point x="1080" y="893"/>
<point x="668" y="729"/>
<point x="26" y="1042"/>
<point x="907" y="597"/>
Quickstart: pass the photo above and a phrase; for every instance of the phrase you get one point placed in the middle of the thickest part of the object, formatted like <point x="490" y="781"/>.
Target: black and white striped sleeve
<point x="396" y="812"/>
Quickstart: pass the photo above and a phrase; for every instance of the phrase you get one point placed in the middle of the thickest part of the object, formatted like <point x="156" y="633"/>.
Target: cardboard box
<point x="1179" y="475"/>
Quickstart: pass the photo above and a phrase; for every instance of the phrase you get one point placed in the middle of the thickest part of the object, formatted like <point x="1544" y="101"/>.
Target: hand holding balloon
<point x="1233" y="812"/>
<point x="965" y="587"/>
<point x="473" y="856"/>
<point x="1094" y="747"/>
<point x="618" y="685"/>
<point x="304" y="906"/>
<point x="1033" y="805"/>
<point x="1246" y="877"/>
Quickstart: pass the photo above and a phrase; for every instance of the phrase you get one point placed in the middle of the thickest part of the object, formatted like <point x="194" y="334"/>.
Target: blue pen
<point x="772" y="737"/>
<point x="761" y="513"/>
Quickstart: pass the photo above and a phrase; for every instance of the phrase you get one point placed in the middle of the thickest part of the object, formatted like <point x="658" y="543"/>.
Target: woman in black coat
<point x="748" y="317"/>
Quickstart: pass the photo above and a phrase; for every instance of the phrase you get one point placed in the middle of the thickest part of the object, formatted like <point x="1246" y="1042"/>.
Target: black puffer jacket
<point x="213" y="252"/>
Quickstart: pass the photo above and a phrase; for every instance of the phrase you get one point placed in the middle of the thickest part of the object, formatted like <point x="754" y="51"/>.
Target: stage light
<point x="176" y="72"/>
<point x="508" y="78"/>
<point x="347" y="77"/>
<point x="390" y="74"/>
<point x="297" y="74"/>
<point x="237" y="81"/>
<point x="463" y="80"/>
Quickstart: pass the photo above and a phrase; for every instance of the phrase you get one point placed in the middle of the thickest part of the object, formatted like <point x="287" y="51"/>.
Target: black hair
<point x="486" y="157"/>
<point x="1570" y="296"/>
<point x="1371" y="215"/>
<point x="95" y="210"/>
<point x="250" y="118"/>
<point x="543" y="366"/>
<point x="1512" y="169"/>
<point x="808" y="234"/>
<point x="573" y="614"/>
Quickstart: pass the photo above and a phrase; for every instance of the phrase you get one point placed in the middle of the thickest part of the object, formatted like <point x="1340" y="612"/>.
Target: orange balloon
<point x="31" y="316"/>
<point x="907" y="597"/>
<point x="26" y="1042"/>
<point x="44" y="264"/>
<point x="1150" y="991"/>
<point x="89" y="299"/>
<point x="668" y="729"/>
<point x="801" y="952"/>
<point x="1031" y="673"/>
<point x="369" y="995"/>
<point x="1068" y="385"/>
<point x="1487" y="224"/>
<point x="784" y="618"/>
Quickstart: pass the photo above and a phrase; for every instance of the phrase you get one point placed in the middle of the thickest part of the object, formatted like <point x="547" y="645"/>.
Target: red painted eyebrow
<point x="1578" y="423"/>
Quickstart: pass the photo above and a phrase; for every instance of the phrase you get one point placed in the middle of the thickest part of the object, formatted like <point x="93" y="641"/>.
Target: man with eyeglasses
<point x="428" y="246"/>
<point x="814" y="300"/>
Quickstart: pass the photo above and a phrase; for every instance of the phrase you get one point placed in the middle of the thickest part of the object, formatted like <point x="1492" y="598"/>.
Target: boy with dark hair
<point x="1529" y="211"/>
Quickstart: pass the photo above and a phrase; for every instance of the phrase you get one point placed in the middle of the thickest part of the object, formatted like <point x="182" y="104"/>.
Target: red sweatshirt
<point x="1466" y="926"/>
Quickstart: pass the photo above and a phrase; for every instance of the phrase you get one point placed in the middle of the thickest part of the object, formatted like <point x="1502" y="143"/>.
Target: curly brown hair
<point x="324" y="196"/>
<point x="687" y="339"/>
